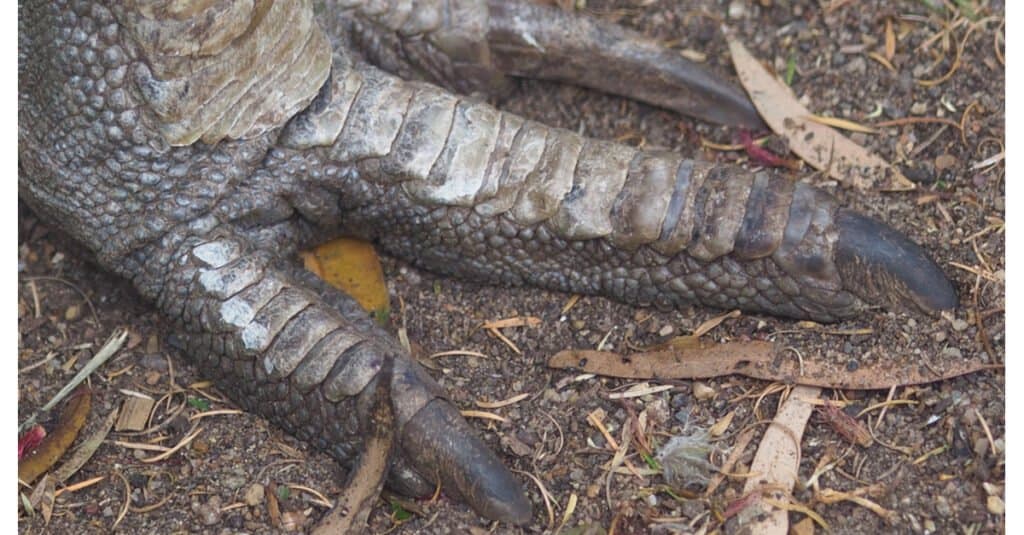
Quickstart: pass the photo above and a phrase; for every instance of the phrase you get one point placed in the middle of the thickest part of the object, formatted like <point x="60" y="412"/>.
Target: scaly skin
<point x="194" y="152"/>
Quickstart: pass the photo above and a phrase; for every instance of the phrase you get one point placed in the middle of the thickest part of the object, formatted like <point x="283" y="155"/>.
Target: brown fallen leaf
<point x="42" y="498"/>
<point x="820" y="146"/>
<point x="776" y="464"/>
<point x="353" y="267"/>
<point x="760" y="360"/>
<point x="43" y="456"/>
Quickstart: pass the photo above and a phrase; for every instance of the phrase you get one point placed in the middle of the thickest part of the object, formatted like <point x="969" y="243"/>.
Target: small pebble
<point x="737" y="9"/>
<point x="939" y="336"/>
<point x="73" y="312"/>
<point x="702" y="391"/>
<point x="209" y="512"/>
<point x="960" y="325"/>
<point x="944" y="161"/>
<point x="666" y="330"/>
<point x="996" y="505"/>
<point x="254" y="495"/>
<point x="918" y="108"/>
<point x="235" y="481"/>
<point x="942" y="506"/>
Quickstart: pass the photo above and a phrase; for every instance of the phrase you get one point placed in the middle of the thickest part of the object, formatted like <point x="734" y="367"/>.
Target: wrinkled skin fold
<point x="195" y="148"/>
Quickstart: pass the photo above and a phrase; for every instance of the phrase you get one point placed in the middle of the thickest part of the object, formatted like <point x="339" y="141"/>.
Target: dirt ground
<point x="937" y="460"/>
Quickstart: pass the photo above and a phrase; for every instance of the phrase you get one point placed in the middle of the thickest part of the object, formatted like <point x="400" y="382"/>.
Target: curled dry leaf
<point x="820" y="146"/>
<point x="39" y="460"/>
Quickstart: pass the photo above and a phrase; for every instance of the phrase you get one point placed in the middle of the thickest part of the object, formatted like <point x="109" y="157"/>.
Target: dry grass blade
<point x="484" y="415"/>
<point x="822" y="147"/>
<point x="710" y="324"/>
<point x="890" y="40"/>
<point x="842" y="124"/>
<point x="218" y="412"/>
<point x="80" y="485"/>
<point x="640" y="390"/>
<point x="545" y="494"/>
<point x="85" y="450"/>
<point x="497" y="334"/>
<point x="320" y="499"/>
<point x="830" y="496"/>
<point x="503" y="403"/>
<point x="43" y="496"/>
<point x="127" y="500"/>
<point x="797" y="508"/>
<point x="570" y="507"/>
<point x="108" y="350"/>
<point x="184" y="442"/>
<point x="521" y="321"/>
<point x="882" y="60"/>
<point x="458" y="352"/>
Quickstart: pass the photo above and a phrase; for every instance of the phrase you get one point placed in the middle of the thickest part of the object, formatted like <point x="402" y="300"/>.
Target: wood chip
<point x="134" y="413"/>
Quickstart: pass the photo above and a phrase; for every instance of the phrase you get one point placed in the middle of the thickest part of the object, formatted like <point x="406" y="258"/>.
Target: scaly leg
<point x="310" y="361"/>
<point x="463" y="189"/>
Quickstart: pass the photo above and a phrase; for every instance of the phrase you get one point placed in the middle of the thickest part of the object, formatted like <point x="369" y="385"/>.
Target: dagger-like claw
<point x="883" y="266"/>
<point x="441" y="445"/>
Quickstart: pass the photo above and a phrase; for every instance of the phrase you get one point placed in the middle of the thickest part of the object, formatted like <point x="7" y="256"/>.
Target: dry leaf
<point x="759" y="360"/>
<point x="820" y="146"/>
<point x="777" y="462"/>
<point x="40" y="459"/>
<point x="843" y="124"/>
<point x="890" y="40"/>
<point x="722" y="425"/>
<point x="353" y="267"/>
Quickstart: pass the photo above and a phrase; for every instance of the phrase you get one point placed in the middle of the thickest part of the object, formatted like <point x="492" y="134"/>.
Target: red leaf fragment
<point x="762" y="156"/>
<point x="30" y="440"/>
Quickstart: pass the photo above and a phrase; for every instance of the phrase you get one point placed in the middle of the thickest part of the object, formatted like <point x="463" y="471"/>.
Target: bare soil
<point x="935" y="461"/>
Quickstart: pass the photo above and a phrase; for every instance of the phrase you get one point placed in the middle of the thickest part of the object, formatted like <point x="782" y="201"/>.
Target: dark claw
<point x="539" y="41"/>
<point x="439" y="443"/>
<point x="882" y="266"/>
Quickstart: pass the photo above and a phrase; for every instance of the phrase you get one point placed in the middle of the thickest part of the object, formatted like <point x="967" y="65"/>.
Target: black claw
<point x="440" y="444"/>
<point x="881" y="265"/>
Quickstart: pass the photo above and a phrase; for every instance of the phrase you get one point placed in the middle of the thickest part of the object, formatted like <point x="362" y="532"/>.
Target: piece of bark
<point x="776" y="464"/>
